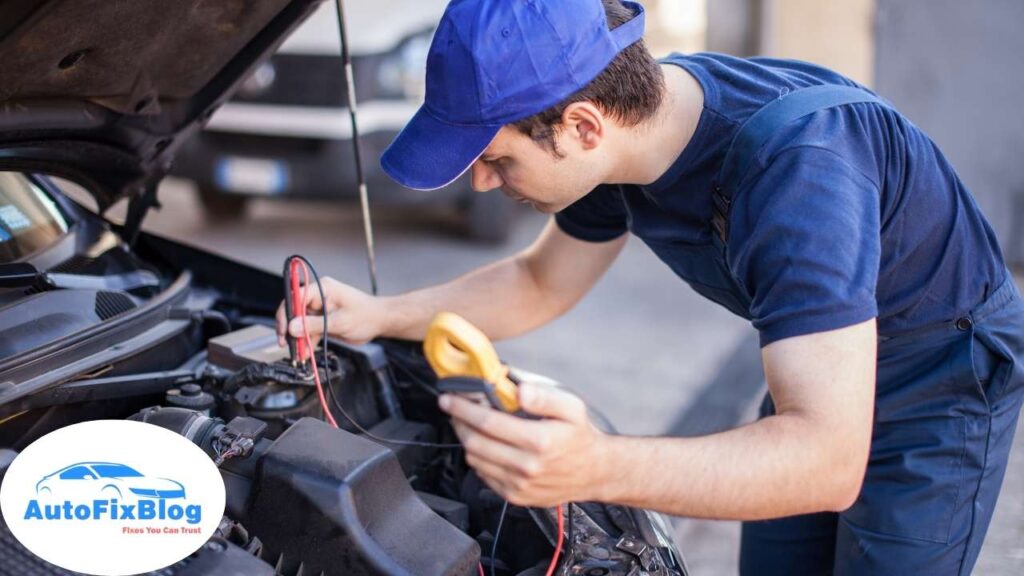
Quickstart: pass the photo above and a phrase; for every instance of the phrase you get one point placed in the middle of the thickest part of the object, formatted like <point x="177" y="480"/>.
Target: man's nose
<point x="483" y="177"/>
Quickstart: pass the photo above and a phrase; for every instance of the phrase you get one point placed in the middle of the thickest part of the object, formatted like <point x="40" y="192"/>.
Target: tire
<point x="111" y="489"/>
<point x="489" y="217"/>
<point x="222" y="206"/>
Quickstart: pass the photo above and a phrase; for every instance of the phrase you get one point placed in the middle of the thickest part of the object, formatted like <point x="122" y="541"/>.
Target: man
<point x="890" y="328"/>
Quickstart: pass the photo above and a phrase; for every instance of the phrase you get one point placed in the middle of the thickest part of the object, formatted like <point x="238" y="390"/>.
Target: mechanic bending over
<point x="892" y="334"/>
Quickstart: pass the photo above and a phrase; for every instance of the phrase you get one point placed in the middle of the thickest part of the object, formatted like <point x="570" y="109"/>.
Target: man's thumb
<point x="315" y="326"/>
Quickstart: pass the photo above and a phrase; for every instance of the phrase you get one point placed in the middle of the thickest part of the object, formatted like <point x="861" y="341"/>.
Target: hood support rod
<point x="141" y="201"/>
<point x="364" y="199"/>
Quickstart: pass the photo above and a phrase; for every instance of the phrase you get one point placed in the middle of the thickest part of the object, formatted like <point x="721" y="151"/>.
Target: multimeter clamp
<point x="472" y="385"/>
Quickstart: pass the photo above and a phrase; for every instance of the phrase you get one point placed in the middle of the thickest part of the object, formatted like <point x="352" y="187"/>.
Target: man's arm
<point x="809" y="457"/>
<point x="511" y="296"/>
<point x="504" y="299"/>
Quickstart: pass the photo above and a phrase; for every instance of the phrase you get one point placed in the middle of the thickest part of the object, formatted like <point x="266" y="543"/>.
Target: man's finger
<point x="494" y="451"/>
<point x="315" y="324"/>
<point x="282" y="324"/>
<point x="551" y="402"/>
<point x="507" y="428"/>
<point x="313" y="303"/>
<point x="493" y="476"/>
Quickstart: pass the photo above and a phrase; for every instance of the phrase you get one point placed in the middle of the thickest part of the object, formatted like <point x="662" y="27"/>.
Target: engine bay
<point x="388" y="492"/>
<point x="167" y="334"/>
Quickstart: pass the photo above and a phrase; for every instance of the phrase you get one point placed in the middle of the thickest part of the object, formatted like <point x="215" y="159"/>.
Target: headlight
<point x="144" y="492"/>
<point x="402" y="72"/>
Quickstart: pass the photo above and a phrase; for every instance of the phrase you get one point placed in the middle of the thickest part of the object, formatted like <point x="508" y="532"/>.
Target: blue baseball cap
<point x="493" y="62"/>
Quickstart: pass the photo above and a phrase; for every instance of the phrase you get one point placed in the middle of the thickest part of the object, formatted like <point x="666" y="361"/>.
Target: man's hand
<point x="352" y="315"/>
<point x="538" y="463"/>
<point x="809" y="457"/>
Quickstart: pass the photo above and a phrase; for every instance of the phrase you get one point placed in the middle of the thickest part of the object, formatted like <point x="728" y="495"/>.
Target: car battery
<point x="255" y="344"/>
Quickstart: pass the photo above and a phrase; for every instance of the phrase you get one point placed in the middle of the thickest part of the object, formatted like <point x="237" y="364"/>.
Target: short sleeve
<point x="599" y="216"/>
<point x="805" y="243"/>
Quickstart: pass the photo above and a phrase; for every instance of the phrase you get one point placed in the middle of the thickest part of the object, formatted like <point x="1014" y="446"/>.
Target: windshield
<point x="115" y="471"/>
<point x="29" y="220"/>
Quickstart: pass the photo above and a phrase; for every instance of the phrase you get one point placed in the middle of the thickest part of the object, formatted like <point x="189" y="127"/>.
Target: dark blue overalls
<point x="947" y="401"/>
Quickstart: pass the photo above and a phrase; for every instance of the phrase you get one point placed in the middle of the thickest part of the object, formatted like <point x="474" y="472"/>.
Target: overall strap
<point x="760" y="127"/>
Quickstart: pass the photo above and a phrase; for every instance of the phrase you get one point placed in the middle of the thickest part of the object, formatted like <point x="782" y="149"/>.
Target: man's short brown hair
<point x="629" y="89"/>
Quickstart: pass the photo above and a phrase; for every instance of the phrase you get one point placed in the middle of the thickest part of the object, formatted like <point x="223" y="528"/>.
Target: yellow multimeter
<point x="466" y="362"/>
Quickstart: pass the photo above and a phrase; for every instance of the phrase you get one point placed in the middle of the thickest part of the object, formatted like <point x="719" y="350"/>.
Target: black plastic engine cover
<point x="217" y="557"/>
<point x="339" y="504"/>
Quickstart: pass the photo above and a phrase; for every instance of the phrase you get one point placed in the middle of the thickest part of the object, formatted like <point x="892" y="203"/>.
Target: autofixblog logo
<point x="102" y="490"/>
<point x="112" y="498"/>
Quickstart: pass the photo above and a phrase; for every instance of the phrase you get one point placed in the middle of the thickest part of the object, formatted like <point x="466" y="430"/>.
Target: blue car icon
<point x="90" y="479"/>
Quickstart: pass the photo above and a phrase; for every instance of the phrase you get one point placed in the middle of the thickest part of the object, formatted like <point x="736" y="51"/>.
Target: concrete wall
<point x="837" y="34"/>
<point x="954" y="68"/>
<point x="734" y="27"/>
<point x="675" y="25"/>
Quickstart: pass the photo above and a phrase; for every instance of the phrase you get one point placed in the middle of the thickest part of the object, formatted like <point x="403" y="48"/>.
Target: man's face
<point x="528" y="172"/>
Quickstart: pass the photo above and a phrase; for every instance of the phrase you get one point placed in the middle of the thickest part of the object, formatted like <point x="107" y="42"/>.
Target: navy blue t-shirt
<point x="847" y="214"/>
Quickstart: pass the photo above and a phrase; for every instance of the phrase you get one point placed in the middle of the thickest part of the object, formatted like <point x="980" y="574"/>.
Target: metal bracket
<point x="647" y="557"/>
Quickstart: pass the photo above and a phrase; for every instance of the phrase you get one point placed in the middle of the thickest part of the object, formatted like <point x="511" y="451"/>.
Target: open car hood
<point x="103" y="92"/>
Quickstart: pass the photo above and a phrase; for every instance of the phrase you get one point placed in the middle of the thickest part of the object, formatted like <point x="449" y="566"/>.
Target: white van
<point x="286" y="132"/>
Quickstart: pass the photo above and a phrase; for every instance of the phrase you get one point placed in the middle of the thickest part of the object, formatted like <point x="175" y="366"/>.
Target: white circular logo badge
<point x="112" y="497"/>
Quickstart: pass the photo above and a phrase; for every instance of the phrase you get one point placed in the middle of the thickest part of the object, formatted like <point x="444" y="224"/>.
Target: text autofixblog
<point x="110" y="509"/>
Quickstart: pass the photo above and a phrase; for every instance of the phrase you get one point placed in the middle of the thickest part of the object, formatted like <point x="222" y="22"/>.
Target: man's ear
<point x="585" y="123"/>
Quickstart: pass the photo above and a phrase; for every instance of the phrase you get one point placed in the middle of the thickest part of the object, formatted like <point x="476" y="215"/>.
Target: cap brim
<point x="429" y="154"/>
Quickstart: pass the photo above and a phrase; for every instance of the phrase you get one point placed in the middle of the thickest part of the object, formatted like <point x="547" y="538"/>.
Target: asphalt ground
<point x="642" y="348"/>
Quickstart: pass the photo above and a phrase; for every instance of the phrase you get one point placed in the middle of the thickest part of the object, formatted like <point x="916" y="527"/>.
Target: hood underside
<point x="103" y="91"/>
